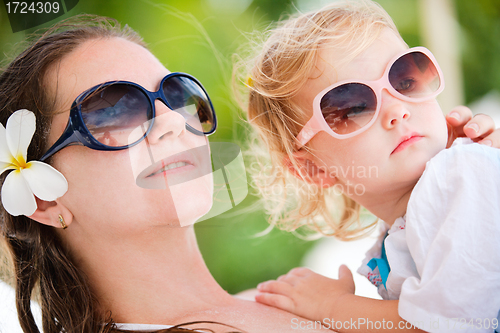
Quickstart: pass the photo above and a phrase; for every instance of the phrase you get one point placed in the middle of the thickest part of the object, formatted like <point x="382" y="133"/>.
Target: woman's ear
<point x="308" y="170"/>
<point x="52" y="213"/>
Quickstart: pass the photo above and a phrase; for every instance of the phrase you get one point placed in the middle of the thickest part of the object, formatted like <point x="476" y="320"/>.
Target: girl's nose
<point x="167" y="124"/>
<point x="393" y="110"/>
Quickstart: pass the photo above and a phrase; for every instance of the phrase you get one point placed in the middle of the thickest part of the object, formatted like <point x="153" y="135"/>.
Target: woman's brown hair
<point x="35" y="252"/>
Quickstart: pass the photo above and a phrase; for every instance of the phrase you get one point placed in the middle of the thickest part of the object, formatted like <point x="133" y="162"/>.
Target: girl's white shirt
<point x="444" y="254"/>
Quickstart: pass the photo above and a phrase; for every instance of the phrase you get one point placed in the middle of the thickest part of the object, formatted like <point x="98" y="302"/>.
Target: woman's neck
<point x="156" y="277"/>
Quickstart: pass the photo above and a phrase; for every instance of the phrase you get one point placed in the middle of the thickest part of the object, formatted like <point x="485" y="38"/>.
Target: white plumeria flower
<point x="28" y="179"/>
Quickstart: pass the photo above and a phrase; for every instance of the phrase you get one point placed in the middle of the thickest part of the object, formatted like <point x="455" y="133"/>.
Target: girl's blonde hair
<point x="280" y="68"/>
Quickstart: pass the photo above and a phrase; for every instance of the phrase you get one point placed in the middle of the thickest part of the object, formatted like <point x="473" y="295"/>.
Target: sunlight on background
<point x="233" y="7"/>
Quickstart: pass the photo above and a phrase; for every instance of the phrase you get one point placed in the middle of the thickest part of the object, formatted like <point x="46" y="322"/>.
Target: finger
<point x="288" y="278"/>
<point x="293" y="273"/>
<point x="277" y="301"/>
<point x="480" y="126"/>
<point x="345" y="275"/>
<point x="264" y="282"/>
<point x="275" y="287"/>
<point x="456" y="121"/>
<point x="459" y="116"/>
<point x="296" y="275"/>
<point x="300" y="271"/>
<point x="492" y="140"/>
<point x="282" y="277"/>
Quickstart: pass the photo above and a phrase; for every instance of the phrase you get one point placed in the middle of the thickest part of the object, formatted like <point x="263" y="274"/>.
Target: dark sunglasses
<point x="348" y="108"/>
<point x="107" y="116"/>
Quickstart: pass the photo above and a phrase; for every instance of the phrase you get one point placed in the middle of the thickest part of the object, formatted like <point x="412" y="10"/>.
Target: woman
<point x="111" y="250"/>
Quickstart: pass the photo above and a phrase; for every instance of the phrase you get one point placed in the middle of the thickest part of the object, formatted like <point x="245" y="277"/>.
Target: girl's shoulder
<point x="459" y="185"/>
<point x="464" y="153"/>
<point x="465" y="162"/>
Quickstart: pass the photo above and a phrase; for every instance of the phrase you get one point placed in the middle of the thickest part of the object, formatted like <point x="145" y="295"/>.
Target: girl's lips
<point x="407" y="141"/>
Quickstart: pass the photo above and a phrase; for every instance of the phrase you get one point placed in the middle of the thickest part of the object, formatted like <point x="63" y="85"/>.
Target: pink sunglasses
<point x="348" y="108"/>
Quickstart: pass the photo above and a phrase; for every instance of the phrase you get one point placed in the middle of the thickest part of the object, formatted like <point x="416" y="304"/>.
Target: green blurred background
<point x="199" y="37"/>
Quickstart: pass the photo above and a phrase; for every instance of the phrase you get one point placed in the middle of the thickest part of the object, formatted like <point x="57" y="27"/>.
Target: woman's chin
<point x="193" y="200"/>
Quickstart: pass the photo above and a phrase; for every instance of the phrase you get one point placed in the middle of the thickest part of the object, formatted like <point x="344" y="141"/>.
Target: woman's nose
<point x="166" y="124"/>
<point x="393" y="110"/>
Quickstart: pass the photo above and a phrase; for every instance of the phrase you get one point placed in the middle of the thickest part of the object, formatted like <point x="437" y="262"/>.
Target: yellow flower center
<point x="20" y="163"/>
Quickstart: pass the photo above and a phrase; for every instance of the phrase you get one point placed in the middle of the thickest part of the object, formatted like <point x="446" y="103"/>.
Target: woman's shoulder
<point x="262" y="318"/>
<point x="240" y="315"/>
<point x="141" y="327"/>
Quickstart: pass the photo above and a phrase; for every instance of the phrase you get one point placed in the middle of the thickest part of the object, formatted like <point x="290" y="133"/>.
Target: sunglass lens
<point x="349" y="107"/>
<point x="113" y="113"/>
<point x="186" y="97"/>
<point x="414" y="75"/>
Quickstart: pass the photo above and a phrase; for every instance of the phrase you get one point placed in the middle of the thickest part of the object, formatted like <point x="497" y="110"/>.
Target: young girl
<point x="345" y="106"/>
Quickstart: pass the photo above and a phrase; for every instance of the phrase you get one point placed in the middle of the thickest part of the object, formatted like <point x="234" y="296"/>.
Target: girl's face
<point x="105" y="193"/>
<point x="380" y="159"/>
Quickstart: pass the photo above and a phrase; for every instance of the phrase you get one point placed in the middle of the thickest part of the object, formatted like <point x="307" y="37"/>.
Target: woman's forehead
<point x="101" y="60"/>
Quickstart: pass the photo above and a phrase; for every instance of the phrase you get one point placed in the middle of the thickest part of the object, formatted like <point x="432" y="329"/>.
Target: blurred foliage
<point x="199" y="37"/>
<point x="480" y="37"/>
<point x="406" y="17"/>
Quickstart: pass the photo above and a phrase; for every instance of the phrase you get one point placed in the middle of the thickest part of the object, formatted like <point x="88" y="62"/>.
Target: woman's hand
<point x="479" y="128"/>
<point x="305" y="293"/>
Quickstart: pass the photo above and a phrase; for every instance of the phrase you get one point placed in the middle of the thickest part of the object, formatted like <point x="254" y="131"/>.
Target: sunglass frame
<point x="77" y="133"/>
<point x="318" y="123"/>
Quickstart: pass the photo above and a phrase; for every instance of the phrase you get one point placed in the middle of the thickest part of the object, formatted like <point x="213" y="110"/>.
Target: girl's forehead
<point x="337" y="63"/>
<point x="332" y="66"/>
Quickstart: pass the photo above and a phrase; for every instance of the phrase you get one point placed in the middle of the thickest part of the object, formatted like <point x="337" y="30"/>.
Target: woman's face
<point x="107" y="193"/>
<point x="380" y="159"/>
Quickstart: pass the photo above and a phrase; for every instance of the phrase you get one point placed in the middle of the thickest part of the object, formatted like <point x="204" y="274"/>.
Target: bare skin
<point x="462" y="122"/>
<point x="314" y="296"/>
<point x="480" y="128"/>
<point x="142" y="267"/>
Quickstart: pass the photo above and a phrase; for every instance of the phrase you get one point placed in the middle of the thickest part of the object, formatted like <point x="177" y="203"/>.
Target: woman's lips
<point x="171" y="168"/>
<point x="179" y="168"/>
<point x="407" y="141"/>
<point x="170" y="165"/>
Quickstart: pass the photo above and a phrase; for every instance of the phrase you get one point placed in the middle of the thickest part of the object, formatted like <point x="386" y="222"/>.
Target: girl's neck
<point x="386" y="206"/>
<point x="154" y="278"/>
